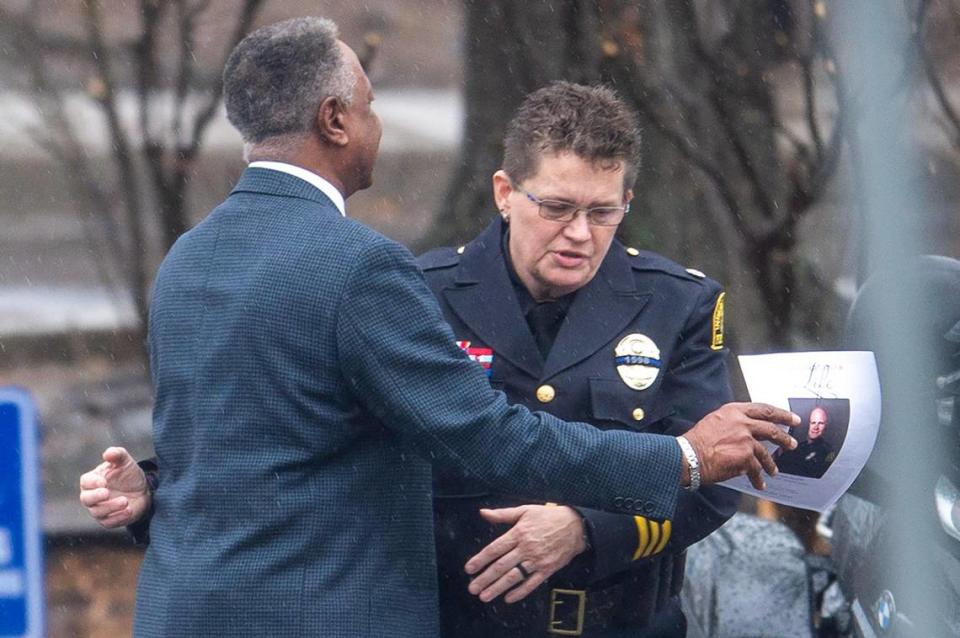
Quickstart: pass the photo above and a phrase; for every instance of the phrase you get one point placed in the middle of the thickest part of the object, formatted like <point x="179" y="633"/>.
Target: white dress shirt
<point x="325" y="187"/>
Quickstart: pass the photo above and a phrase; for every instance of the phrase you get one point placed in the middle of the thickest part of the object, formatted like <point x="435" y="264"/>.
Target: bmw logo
<point x="884" y="610"/>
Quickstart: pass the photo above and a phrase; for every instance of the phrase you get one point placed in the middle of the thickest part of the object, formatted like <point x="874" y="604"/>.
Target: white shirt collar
<point x="325" y="187"/>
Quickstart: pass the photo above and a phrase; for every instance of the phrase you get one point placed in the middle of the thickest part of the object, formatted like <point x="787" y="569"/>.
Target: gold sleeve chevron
<point x="652" y="536"/>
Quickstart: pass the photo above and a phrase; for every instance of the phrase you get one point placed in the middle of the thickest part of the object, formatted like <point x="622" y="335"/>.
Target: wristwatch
<point x="692" y="461"/>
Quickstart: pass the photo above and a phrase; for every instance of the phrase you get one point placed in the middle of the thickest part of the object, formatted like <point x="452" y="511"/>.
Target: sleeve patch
<point x="716" y="340"/>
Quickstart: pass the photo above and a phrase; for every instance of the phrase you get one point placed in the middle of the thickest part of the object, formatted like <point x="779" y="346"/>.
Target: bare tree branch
<point x="54" y="43"/>
<point x="148" y="87"/>
<point x="725" y="85"/>
<point x="122" y="154"/>
<point x="807" y="61"/>
<point x="811" y="174"/>
<point x="98" y="226"/>
<point x="248" y="13"/>
<point x="57" y="138"/>
<point x="808" y="186"/>
<point x="822" y="168"/>
<point x="195" y="9"/>
<point x="169" y="145"/>
<point x="810" y="103"/>
<point x="800" y="147"/>
<point x="639" y="93"/>
<point x="187" y="15"/>
<point x="151" y="13"/>
<point x="763" y="200"/>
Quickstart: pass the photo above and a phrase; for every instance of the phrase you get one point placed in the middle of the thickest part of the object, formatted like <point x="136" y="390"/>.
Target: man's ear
<point x="331" y="121"/>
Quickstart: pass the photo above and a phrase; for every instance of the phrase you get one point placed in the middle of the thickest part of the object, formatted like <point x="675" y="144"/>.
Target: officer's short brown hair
<point x="590" y="121"/>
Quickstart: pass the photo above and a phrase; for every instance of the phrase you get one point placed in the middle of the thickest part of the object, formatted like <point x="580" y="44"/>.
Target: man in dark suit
<point x="304" y="376"/>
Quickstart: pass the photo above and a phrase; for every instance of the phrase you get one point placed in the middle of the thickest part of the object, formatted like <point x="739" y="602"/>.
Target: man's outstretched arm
<point x="402" y="363"/>
<point x="116" y="492"/>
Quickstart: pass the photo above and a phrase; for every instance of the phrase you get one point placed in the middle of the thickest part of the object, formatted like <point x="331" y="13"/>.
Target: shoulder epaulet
<point x="646" y="260"/>
<point x="440" y="258"/>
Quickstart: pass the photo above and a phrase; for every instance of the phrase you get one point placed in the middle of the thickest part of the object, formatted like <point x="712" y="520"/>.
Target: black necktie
<point x="545" y="320"/>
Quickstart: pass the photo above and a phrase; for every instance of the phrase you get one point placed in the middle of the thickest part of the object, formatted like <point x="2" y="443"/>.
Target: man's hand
<point x="727" y="441"/>
<point x="115" y="492"/>
<point x="543" y="539"/>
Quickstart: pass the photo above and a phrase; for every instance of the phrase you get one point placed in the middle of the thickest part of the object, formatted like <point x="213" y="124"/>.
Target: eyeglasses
<point x="564" y="212"/>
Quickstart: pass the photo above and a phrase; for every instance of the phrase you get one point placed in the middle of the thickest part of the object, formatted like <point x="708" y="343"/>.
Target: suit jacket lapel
<point x="601" y="309"/>
<point x="483" y="298"/>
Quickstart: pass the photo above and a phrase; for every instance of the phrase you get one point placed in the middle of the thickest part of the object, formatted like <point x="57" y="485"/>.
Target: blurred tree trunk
<point x="726" y="179"/>
<point x="701" y="81"/>
<point x="512" y="48"/>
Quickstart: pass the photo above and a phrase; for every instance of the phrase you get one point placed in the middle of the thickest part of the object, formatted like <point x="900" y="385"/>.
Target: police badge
<point x="638" y="361"/>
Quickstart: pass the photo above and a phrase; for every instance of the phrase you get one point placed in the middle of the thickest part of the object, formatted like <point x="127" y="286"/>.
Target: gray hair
<point x="276" y="78"/>
<point x="592" y="122"/>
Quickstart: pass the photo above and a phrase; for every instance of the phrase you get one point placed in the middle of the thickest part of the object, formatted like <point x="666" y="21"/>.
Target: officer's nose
<point x="578" y="228"/>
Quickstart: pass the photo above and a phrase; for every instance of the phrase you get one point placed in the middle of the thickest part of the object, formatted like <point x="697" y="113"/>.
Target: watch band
<point x="692" y="461"/>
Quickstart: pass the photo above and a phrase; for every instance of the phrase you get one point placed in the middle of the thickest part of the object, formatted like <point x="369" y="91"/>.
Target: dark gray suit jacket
<point x="304" y="380"/>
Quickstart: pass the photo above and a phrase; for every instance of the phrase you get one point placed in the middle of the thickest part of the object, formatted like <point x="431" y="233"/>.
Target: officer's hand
<point x="543" y="538"/>
<point x="727" y="441"/>
<point x="115" y="492"/>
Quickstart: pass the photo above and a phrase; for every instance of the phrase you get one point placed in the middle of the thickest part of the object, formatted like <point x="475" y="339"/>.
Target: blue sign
<point x="21" y="561"/>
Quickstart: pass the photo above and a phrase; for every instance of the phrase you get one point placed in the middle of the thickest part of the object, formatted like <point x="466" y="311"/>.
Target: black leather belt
<point x="575" y="612"/>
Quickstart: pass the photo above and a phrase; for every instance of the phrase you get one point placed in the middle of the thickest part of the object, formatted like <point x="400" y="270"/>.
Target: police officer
<point x="565" y="319"/>
<point x="812" y="457"/>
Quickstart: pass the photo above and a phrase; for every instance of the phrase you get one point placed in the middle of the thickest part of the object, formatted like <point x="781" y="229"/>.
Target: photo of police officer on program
<point x="818" y="444"/>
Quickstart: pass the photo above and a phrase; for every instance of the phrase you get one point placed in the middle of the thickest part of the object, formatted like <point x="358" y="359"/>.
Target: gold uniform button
<point x="633" y="252"/>
<point x="638" y="414"/>
<point x="545" y="393"/>
<point x="461" y="249"/>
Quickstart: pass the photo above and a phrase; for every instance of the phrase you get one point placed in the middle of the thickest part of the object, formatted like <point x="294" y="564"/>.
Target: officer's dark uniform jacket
<point x="810" y="459"/>
<point x="631" y="575"/>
